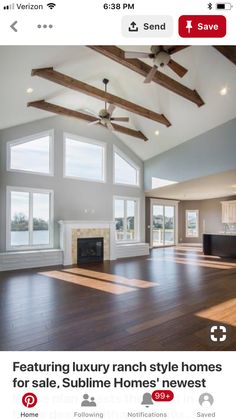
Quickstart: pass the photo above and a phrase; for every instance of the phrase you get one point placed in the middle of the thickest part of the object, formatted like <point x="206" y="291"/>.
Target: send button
<point x="147" y="26"/>
<point x="154" y="27"/>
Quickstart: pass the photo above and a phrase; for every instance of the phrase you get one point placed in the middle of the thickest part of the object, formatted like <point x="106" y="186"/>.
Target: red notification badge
<point x="162" y="396"/>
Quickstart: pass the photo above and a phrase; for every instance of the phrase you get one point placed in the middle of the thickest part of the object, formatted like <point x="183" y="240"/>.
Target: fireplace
<point x="90" y="250"/>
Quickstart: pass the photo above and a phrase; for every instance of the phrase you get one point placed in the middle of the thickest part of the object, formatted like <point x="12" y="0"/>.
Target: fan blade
<point x="94" y="122"/>
<point x="111" y="109"/>
<point x="133" y="54"/>
<point x="177" y="68"/>
<point x="122" y="119"/>
<point x="151" y="74"/>
<point x="110" y="126"/>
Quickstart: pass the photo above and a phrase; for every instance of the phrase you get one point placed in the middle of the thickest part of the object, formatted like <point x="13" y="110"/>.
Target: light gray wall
<point x="72" y="197"/>
<point x="209" y="153"/>
<point x="210" y="212"/>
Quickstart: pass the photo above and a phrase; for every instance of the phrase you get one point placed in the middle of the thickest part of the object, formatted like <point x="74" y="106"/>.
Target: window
<point x="126" y="218"/>
<point x="125" y="172"/>
<point x="192" y="223"/>
<point x="84" y="159"/>
<point x="32" y="154"/>
<point x="161" y="183"/>
<point x="30" y="218"/>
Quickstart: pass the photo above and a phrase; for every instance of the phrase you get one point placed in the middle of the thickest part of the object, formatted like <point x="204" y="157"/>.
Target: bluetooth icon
<point x="210" y="6"/>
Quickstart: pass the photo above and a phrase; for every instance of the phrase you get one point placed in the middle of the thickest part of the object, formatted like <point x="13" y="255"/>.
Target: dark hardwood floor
<point x="180" y="296"/>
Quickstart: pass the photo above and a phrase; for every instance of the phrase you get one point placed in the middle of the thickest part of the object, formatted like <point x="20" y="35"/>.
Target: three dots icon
<point x="45" y="26"/>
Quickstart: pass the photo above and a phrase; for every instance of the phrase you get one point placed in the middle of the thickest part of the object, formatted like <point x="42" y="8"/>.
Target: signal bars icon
<point x="8" y="6"/>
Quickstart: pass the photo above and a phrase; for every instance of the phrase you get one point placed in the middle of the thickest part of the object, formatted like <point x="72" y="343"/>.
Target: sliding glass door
<point x="169" y="227"/>
<point x="157" y="225"/>
<point x="163" y="225"/>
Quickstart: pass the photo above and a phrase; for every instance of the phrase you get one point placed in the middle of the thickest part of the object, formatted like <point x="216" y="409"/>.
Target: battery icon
<point x="224" y="6"/>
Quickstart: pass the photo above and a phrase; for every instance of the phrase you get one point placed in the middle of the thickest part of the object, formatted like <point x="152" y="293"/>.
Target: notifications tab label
<point x="205" y="26"/>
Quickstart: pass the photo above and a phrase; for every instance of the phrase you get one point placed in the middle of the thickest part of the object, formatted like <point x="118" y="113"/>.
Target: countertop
<point x="220" y="234"/>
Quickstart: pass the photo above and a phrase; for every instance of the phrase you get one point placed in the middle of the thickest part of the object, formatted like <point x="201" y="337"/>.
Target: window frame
<point x="10" y="189"/>
<point x="137" y="217"/>
<point x="29" y="138"/>
<point x="120" y="153"/>
<point x="186" y="223"/>
<point x="88" y="141"/>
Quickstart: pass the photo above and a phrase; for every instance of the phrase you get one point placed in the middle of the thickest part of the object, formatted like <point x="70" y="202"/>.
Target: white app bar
<point x="74" y="22"/>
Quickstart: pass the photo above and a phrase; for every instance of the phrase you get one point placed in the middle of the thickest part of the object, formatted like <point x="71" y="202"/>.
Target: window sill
<point x="82" y="179"/>
<point x="28" y="251"/>
<point x="130" y="185"/>
<point x="134" y="243"/>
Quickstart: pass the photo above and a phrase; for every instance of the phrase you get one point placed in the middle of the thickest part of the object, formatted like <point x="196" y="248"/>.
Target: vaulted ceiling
<point x="207" y="187"/>
<point x="208" y="73"/>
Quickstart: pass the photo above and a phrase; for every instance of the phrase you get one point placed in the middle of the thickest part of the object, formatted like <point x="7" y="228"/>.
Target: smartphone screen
<point x="117" y="209"/>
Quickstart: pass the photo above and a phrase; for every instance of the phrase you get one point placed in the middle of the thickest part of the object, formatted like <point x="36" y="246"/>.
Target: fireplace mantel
<point x="68" y="227"/>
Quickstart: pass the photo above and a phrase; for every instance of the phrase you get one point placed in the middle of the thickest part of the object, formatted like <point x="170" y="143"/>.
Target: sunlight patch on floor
<point x="189" y="249"/>
<point x="112" y="278"/>
<point x="200" y="263"/>
<point x="88" y="282"/>
<point x="99" y="281"/>
<point x="224" y="312"/>
<point x="197" y="255"/>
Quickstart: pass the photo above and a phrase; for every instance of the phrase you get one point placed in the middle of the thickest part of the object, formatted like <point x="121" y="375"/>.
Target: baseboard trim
<point x="190" y="244"/>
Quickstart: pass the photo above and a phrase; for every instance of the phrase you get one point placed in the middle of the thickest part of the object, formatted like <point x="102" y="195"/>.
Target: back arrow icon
<point x="13" y="26"/>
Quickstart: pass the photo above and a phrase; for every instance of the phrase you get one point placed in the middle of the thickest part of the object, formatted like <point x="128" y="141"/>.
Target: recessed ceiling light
<point x="157" y="132"/>
<point x="30" y="90"/>
<point x="224" y="91"/>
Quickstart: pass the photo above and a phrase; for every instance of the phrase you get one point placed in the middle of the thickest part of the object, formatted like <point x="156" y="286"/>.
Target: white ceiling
<point x="207" y="187"/>
<point x="208" y="72"/>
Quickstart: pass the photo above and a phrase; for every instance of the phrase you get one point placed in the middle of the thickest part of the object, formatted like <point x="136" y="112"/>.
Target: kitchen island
<point x="221" y="244"/>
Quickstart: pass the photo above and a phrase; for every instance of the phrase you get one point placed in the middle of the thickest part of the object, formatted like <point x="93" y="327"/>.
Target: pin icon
<point x="189" y="25"/>
<point x="29" y="400"/>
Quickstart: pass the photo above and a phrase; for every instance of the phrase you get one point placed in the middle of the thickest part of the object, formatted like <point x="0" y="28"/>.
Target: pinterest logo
<point x="29" y="400"/>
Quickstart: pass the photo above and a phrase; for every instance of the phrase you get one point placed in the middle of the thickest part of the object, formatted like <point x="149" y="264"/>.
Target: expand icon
<point x="218" y="333"/>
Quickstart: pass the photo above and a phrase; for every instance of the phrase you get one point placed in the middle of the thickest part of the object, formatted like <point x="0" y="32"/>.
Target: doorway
<point x="163" y="223"/>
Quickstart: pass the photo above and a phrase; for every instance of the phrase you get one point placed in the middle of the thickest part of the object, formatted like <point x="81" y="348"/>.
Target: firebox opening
<point x="90" y="250"/>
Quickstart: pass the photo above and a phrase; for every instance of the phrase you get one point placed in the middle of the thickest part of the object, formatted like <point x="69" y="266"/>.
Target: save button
<point x="205" y="26"/>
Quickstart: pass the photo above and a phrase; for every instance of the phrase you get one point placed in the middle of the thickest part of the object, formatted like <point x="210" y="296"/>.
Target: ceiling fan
<point x="161" y="57"/>
<point x="104" y="117"/>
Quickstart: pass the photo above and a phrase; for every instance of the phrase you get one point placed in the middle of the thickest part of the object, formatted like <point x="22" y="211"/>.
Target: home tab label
<point x="205" y="26"/>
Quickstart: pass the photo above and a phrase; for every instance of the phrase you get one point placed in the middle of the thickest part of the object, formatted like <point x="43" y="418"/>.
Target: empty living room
<point x="117" y="198"/>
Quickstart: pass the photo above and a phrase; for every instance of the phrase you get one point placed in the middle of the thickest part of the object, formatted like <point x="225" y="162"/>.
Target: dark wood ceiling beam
<point x="118" y="55"/>
<point x="59" y="110"/>
<point x="229" y="52"/>
<point x="176" y="48"/>
<point x="71" y="83"/>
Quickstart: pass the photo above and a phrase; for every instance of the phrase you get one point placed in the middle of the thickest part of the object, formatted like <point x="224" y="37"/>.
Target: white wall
<point x="72" y="197"/>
